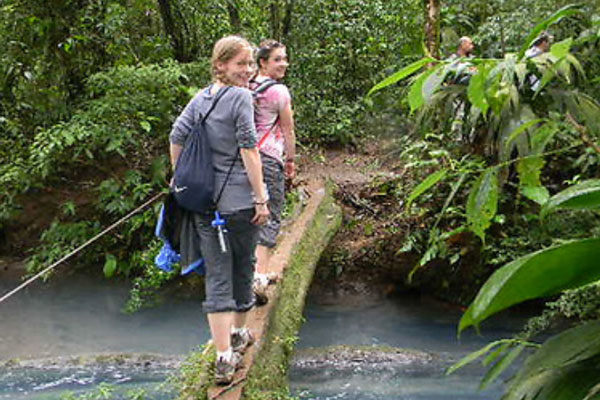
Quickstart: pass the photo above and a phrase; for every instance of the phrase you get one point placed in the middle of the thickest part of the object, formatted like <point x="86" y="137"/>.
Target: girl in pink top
<point x="277" y="145"/>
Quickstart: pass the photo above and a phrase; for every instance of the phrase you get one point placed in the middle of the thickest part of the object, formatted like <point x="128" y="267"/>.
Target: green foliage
<point x="422" y="187"/>
<point x="556" y="369"/>
<point x="197" y="373"/>
<point x="59" y="240"/>
<point x="400" y="75"/>
<point x="538" y="274"/>
<point x="483" y="202"/>
<point x="501" y="118"/>
<point x="543" y="25"/>
<point x="118" y="139"/>
<point x="566" y="366"/>
<point x="122" y="121"/>
<point x="50" y="49"/>
<point x="527" y="149"/>
<point x="144" y="292"/>
<point x="584" y="195"/>
<point x="336" y="53"/>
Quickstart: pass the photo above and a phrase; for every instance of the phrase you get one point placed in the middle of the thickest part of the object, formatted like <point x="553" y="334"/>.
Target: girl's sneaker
<point x="241" y="340"/>
<point x="225" y="369"/>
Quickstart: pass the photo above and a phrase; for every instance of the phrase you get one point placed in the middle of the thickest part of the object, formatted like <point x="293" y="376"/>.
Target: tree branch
<point x="583" y="134"/>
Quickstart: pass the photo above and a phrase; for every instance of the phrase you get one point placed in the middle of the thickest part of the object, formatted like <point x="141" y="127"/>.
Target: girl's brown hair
<point x="225" y="49"/>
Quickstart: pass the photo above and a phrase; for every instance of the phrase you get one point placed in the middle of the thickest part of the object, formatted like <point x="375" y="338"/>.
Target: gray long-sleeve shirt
<point x="229" y="126"/>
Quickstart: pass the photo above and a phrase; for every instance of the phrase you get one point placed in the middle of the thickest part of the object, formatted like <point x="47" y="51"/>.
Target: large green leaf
<point x="538" y="194"/>
<point x="521" y="116"/>
<point x="483" y="202"/>
<point x="497" y="93"/>
<point x="522" y="128"/>
<point x="425" y="185"/>
<point x="584" y="195"/>
<point x="476" y="89"/>
<point x="530" y="170"/>
<point x="568" y="347"/>
<point x="561" y="49"/>
<point x="554" y="18"/>
<point x="402" y="74"/>
<point x="570" y="383"/>
<point x="543" y="374"/>
<point x="415" y="95"/>
<point x="539" y="274"/>
<point x="433" y="82"/>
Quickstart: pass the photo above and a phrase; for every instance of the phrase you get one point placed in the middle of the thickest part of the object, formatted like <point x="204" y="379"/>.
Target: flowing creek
<point x="422" y="335"/>
<point x="51" y="336"/>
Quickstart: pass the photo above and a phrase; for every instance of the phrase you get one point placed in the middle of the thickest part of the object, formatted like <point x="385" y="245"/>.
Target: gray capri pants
<point x="275" y="180"/>
<point x="228" y="279"/>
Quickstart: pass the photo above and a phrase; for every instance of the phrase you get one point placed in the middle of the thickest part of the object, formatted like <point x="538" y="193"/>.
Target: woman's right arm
<point x="181" y="129"/>
<point x="174" y="152"/>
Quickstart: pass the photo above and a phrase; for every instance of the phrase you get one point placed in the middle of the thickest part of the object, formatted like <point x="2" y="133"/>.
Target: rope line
<point x="78" y="249"/>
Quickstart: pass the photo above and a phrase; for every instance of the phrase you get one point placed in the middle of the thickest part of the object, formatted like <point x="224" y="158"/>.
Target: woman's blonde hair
<point x="225" y="49"/>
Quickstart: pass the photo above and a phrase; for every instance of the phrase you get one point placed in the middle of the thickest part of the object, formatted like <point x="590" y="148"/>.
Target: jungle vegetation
<point x="518" y="120"/>
<point x="89" y="89"/>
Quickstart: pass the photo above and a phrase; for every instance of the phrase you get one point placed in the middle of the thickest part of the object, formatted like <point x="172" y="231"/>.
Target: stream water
<point x="409" y="323"/>
<point x="81" y="315"/>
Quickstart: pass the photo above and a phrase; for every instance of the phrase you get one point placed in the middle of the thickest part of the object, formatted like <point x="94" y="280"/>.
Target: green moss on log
<point x="268" y="376"/>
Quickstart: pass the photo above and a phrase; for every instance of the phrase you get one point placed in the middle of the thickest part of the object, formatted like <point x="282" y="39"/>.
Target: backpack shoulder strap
<point x="264" y="85"/>
<point x="220" y="94"/>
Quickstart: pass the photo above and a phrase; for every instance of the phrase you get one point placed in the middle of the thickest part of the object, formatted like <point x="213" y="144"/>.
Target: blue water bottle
<point x="219" y="224"/>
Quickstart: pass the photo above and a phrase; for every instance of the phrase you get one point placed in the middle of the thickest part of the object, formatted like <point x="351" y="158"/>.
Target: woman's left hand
<point x="290" y="170"/>
<point x="261" y="215"/>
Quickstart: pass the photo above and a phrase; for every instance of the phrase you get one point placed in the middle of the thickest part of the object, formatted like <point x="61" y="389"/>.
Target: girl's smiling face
<point x="277" y="64"/>
<point x="238" y="70"/>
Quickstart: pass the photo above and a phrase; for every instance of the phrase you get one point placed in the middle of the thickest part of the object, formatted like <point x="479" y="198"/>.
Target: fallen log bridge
<point x="263" y="374"/>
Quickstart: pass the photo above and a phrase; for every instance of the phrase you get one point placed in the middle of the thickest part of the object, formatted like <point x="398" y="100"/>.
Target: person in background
<point x="465" y="48"/>
<point x="461" y="68"/>
<point x="277" y="145"/>
<point x="243" y="202"/>
<point x="460" y="73"/>
<point x="539" y="46"/>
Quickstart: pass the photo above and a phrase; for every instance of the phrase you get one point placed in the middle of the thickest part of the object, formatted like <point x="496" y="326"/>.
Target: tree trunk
<point x="183" y="40"/>
<point x="287" y="20"/>
<point x="275" y="20"/>
<point x="432" y="27"/>
<point x="234" y="16"/>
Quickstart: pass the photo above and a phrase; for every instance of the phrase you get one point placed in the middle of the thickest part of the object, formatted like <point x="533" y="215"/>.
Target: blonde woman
<point x="243" y="202"/>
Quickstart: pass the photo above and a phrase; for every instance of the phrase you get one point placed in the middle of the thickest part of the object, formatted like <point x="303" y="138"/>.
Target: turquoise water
<point x="407" y="323"/>
<point x="81" y="315"/>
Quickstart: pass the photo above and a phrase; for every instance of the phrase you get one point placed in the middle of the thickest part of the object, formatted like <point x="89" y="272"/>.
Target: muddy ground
<point x="364" y="258"/>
